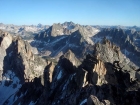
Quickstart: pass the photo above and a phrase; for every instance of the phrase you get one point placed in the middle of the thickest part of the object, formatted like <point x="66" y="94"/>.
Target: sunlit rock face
<point x="5" y="41"/>
<point x="100" y="71"/>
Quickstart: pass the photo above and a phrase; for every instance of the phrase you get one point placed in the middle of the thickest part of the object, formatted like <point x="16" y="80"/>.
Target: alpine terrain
<point x="69" y="64"/>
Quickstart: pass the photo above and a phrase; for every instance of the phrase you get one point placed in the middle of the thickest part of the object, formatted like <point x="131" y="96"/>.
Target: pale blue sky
<point x="86" y="12"/>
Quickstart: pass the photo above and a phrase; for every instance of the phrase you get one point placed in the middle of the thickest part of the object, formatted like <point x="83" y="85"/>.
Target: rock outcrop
<point x="22" y="61"/>
<point x="58" y="29"/>
<point x="16" y="52"/>
<point x="111" y="53"/>
<point x="5" y="42"/>
<point x="18" y="65"/>
<point x="127" y="41"/>
<point x="100" y="71"/>
<point x="93" y="100"/>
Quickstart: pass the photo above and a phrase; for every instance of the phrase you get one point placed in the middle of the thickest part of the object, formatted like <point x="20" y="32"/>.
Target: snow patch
<point x="57" y="40"/>
<point x="66" y="84"/>
<point x="49" y="40"/>
<point x="73" y="76"/>
<point x="108" y="37"/>
<point x="59" y="75"/>
<point x="73" y="45"/>
<point x="12" y="99"/>
<point x="97" y="39"/>
<point x="7" y="91"/>
<point x="83" y="102"/>
<point x="32" y="103"/>
<point x="126" y="52"/>
<point x="10" y="54"/>
<point x="89" y="40"/>
<point x="75" y="35"/>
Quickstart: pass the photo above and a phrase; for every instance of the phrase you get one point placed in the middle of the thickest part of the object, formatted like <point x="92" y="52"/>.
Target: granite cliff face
<point x="19" y="56"/>
<point x="127" y="40"/>
<point x="5" y="41"/>
<point x="17" y="64"/>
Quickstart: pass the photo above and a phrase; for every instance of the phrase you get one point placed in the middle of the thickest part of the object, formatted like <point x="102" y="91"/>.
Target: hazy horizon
<point x="64" y="22"/>
<point x="90" y="12"/>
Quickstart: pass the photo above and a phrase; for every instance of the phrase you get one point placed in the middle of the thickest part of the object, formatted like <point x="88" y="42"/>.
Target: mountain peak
<point x="57" y="29"/>
<point x="69" y="55"/>
<point x="68" y="23"/>
<point x="39" y="25"/>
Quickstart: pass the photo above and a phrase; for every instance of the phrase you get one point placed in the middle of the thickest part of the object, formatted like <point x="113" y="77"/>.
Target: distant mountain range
<point x="26" y="31"/>
<point x="59" y="38"/>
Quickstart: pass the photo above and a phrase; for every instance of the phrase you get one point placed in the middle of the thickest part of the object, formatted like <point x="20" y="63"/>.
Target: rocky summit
<point x="70" y="64"/>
